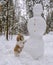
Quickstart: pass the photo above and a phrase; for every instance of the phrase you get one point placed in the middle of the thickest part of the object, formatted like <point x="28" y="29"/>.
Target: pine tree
<point x="51" y="25"/>
<point x="0" y="18"/>
<point x="7" y="16"/>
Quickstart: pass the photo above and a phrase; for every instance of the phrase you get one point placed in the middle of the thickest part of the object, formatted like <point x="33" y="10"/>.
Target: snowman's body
<point x="36" y="28"/>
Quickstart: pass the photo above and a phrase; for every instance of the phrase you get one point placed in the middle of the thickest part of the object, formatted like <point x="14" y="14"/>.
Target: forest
<point x="14" y="15"/>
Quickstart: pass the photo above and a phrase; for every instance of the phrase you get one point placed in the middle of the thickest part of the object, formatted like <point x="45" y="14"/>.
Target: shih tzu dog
<point x="19" y="45"/>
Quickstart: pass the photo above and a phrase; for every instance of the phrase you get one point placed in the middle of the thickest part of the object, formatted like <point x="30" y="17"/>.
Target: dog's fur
<point x="20" y="44"/>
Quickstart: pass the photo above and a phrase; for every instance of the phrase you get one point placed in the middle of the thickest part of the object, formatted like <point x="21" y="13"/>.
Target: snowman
<point x="36" y="27"/>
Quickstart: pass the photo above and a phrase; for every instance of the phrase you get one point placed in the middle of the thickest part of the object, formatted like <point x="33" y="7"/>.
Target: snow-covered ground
<point x="7" y="56"/>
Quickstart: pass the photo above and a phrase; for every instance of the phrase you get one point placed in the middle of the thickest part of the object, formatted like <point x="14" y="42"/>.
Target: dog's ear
<point x="18" y="37"/>
<point x="22" y="38"/>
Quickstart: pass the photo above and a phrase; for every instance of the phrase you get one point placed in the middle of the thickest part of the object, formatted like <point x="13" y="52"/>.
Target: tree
<point x="29" y="8"/>
<point x="51" y="25"/>
<point x="7" y="21"/>
<point x="0" y="18"/>
<point x="7" y="16"/>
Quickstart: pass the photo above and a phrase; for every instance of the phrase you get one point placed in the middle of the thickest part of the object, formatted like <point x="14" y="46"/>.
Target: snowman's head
<point x="37" y="9"/>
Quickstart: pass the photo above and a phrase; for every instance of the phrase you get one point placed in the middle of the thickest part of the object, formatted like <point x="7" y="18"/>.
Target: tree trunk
<point x="7" y="22"/>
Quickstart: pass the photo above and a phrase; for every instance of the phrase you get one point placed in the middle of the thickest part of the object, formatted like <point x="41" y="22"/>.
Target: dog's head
<point x="20" y="37"/>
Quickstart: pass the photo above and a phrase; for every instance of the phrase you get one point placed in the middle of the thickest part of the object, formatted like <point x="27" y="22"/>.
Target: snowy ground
<point x="7" y="55"/>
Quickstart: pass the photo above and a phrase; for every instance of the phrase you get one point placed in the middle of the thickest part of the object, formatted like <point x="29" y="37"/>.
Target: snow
<point x="7" y="56"/>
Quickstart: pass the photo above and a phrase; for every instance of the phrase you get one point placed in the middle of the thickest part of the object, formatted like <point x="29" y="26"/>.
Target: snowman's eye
<point x="34" y="31"/>
<point x="34" y="24"/>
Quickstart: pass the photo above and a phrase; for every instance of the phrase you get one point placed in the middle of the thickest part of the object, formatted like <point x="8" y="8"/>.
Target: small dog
<point x="20" y="44"/>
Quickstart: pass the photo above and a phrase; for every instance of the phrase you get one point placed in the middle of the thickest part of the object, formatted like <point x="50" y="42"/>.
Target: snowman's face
<point x="37" y="9"/>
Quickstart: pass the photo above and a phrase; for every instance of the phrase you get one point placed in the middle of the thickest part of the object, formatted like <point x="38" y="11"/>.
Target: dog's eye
<point x="23" y="42"/>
